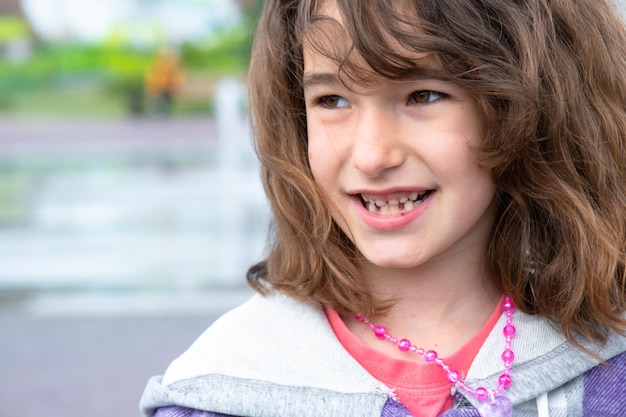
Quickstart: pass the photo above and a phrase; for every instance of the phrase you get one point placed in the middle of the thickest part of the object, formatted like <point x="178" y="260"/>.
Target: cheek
<point x="318" y="165"/>
<point x="326" y="175"/>
<point x="320" y="155"/>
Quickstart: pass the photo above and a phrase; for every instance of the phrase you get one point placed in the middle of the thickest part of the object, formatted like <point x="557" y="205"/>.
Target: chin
<point x="395" y="262"/>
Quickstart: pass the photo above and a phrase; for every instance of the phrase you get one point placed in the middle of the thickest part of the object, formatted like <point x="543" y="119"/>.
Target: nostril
<point x="375" y="156"/>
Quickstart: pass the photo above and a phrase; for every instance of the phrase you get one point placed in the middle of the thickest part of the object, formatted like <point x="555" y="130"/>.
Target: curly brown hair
<point x="549" y="77"/>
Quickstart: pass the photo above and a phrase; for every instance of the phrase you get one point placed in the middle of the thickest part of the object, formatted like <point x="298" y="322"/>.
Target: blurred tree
<point x="251" y="9"/>
<point x="11" y="8"/>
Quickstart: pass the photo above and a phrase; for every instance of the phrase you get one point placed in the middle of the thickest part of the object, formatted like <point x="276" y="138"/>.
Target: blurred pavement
<point x="89" y="365"/>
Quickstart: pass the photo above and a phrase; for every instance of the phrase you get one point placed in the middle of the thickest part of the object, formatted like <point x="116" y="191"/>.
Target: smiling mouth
<point x="396" y="203"/>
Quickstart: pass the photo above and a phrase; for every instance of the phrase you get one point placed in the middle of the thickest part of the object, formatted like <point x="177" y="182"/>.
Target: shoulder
<point x="235" y="342"/>
<point x="540" y="342"/>
<point x="604" y="389"/>
<point x="174" y="411"/>
<point x="273" y="339"/>
<point x="271" y="349"/>
<point x="545" y="361"/>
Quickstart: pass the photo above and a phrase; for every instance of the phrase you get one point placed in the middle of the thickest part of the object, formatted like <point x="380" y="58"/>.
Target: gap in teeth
<point x="394" y="204"/>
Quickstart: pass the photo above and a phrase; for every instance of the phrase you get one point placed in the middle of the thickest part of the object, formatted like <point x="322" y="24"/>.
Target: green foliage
<point x="117" y="68"/>
<point x="64" y="67"/>
<point x="51" y="63"/>
<point x="226" y="51"/>
<point x="12" y="28"/>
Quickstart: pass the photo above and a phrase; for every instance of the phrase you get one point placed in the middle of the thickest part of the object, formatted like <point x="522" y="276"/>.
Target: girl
<point x="448" y="184"/>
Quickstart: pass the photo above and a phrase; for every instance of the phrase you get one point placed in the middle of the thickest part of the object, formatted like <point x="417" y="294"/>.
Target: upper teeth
<point x="392" y="199"/>
<point x="392" y="203"/>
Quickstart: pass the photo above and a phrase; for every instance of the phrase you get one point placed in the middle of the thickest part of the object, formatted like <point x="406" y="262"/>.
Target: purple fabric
<point x="605" y="389"/>
<point x="395" y="409"/>
<point x="461" y="412"/>
<point x="391" y="409"/>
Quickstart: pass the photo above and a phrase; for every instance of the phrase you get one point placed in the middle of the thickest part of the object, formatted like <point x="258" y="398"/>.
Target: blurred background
<point x="130" y="204"/>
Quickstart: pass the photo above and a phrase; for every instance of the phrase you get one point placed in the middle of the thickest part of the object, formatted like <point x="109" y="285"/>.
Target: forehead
<point x="350" y="24"/>
<point x="365" y="52"/>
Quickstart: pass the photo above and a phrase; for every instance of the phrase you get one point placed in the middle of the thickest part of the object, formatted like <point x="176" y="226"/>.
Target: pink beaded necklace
<point x="497" y="405"/>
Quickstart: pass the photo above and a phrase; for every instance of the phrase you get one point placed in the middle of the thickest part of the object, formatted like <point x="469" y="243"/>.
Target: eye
<point x="332" y="102"/>
<point x="425" y="97"/>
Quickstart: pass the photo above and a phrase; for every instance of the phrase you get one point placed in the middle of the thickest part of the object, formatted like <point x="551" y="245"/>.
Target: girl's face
<point x="395" y="161"/>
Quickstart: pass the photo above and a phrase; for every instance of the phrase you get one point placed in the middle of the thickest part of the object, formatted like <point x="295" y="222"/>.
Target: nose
<point x="377" y="147"/>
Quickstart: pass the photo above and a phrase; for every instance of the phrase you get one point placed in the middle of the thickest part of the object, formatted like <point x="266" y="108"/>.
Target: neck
<point x="438" y="306"/>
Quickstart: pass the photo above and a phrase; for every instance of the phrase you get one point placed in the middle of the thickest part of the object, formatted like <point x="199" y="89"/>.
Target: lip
<point x="389" y="222"/>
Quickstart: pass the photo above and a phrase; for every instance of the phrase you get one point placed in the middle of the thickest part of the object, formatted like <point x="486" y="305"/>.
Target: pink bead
<point x="509" y="330"/>
<point x="508" y="305"/>
<point x="430" y="356"/>
<point x="508" y="356"/>
<point x="505" y="380"/>
<point x="481" y="393"/>
<point x="380" y="332"/>
<point x="404" y="345"/>
<point x="453" y="377"/>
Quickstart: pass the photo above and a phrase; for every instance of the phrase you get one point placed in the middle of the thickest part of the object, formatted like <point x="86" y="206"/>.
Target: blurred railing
<point x="147" y="205"/>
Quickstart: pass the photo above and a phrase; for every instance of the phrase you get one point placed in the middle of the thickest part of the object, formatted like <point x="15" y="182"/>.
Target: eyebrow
<point x="313" y="79"/>
<point x="421" y="72"/>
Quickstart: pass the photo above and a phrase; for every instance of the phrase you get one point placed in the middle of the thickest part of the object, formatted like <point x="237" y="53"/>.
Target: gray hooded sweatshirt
<point x="276" y="357"/>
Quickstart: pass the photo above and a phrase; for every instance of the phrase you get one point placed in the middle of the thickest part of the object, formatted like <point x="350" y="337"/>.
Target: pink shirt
<point x="422" y="387"/>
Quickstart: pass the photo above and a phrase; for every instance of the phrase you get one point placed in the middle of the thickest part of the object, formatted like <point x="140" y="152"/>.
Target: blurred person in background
<point x="164" y="80"/>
